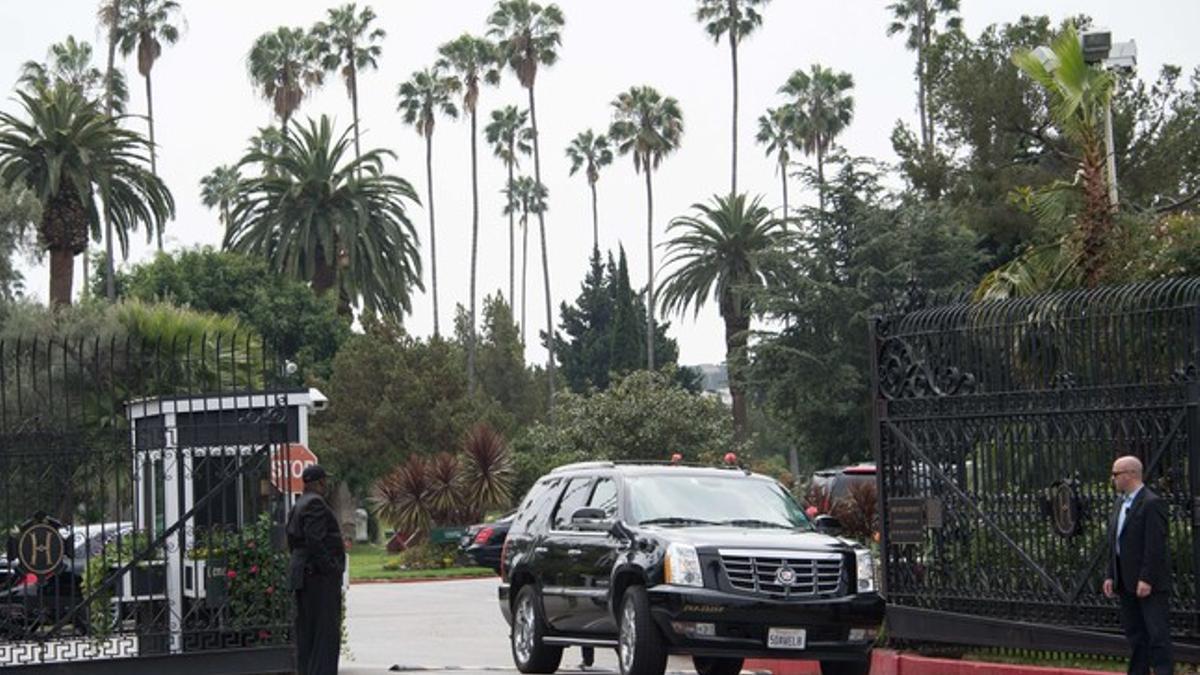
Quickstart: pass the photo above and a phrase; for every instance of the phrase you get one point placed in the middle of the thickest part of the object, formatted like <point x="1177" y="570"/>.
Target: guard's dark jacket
<point x="1143" y="545"/>
<point x="315" y="541"/>
<point x="315" y="574"/>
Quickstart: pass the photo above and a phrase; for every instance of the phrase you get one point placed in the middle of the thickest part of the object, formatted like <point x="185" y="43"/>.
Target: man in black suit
<point x="315" y="573"/>
<point x="1139" y="570"/>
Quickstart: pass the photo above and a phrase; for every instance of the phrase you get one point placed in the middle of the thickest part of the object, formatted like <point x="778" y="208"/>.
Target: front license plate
<point x="786" y="638"/>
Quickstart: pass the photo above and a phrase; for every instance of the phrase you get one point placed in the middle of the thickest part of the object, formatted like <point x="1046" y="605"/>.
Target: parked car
<point x="829" y="485"/>
<point x="651" y="560"/>
<point x="483" y="543"/>
<point x="28" y="601"/>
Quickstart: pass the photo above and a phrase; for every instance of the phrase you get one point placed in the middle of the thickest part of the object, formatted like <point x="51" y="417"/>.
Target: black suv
<point x="721" y="564"/>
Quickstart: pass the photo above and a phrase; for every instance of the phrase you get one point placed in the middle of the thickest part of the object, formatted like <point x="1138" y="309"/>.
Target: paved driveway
<point x="445" y="625"/>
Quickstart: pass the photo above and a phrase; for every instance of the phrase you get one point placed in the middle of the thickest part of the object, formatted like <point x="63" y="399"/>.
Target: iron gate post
<point x="1193" y="450"/>
<point x="878" y="416"/>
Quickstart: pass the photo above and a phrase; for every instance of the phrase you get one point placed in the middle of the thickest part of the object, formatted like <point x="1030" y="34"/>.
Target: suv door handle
<point x="574" y="552"/>
<point x="540" y="549"/>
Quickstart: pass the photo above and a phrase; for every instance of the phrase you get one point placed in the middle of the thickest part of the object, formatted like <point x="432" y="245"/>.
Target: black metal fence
<point x="142" y="489"/>
<point x="995" y="428"/>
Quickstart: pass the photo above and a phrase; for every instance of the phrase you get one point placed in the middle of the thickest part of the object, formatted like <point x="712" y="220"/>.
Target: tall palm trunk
<point x="733" y="45"/>
<point x="595" y="219"/>
<point x="324" y="273"/>
<point x="354" y="105"/>
<point x="649" y="268"/>
<point x="524" y="267"/>
<point x="820" y="175"/>
<point x="926" y="134"/>
<point x="110" y="289"/>
<point x="512" y="262"/>
<point x="1096" y="219"/>
<point x="537" y="176"/>
<point x="474" y="254"/>
<point x="153" y="147"/>
<point x="736" y="331"/>
<point x="432" y="231"/>
<point x="783" y="180"/>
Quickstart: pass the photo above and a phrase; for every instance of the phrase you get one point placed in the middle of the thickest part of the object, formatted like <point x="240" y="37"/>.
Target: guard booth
<point x="214" y="476"/>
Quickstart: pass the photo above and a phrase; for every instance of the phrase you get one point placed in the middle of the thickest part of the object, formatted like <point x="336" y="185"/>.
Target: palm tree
<point x="729" y="250"/>
<point x="425" y="94"/>
<point x="649" y="127"/>
<point x="67" y="152"/>
<point x="346" y="44"/>
<point x="111" y="16"/>
<point x="266" y="141"/>
<point x="525" y="196"/>
<point x="591" y="149"/>
<point x="146" y="25"/>
<point x="472" y="59"/>
<point x="821" y="101"/>
<point x="1079" y="96"/>
<point x="284" y="68"/>
<point x="332" y="221"/>
<point x="777" y="130"/>
<point x="735" y="19"/>
<point x="528" y="36"/>
<point x="219" y="189"/>
<point x="71" y="62"/>
<point x="919" y="19"/>
<point x="508" y="135"/>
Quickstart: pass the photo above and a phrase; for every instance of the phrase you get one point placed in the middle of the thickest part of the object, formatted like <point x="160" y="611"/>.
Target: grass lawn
<point x="366" y="562"/>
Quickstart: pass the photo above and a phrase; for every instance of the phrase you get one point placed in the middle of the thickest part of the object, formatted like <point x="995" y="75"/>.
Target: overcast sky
<point x="206" y="108"/>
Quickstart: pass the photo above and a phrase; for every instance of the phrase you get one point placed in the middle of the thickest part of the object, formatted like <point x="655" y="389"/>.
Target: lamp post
<point x="1098" y="49"/>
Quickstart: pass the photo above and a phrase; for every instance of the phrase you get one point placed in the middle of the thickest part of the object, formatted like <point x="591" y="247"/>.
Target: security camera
<point x="290" y="368"/>
<point x="317" y="400"/>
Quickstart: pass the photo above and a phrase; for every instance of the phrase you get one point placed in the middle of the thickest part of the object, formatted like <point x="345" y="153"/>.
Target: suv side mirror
<point x="828" y="525"/>
<point x="590" y="520"/>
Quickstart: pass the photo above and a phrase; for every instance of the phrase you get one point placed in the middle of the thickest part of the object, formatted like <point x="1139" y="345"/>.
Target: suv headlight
<point x="866" y="571"/>
<point x="682" y="566"/>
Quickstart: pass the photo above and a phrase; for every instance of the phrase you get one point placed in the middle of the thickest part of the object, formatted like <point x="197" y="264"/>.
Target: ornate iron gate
<point x="995" y="426"/>
<point x="142" y="489"/>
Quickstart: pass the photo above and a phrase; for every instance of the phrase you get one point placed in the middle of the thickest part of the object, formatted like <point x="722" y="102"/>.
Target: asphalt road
<point x="452" y="626"/>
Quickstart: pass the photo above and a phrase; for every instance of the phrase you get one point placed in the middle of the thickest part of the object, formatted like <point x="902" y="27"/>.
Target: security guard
<point x="318" y="561"/>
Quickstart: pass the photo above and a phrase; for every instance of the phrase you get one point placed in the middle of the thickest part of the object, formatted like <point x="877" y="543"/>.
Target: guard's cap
<point x="313" y="472"/>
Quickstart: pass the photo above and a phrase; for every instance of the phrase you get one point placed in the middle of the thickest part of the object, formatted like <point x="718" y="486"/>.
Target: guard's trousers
<point x="318" y="625"/>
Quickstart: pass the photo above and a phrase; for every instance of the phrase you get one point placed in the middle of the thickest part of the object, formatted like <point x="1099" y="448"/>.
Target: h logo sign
<point x="41" y="549"/>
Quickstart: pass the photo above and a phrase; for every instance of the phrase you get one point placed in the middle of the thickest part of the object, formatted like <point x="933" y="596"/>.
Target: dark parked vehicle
<point x="483" y="543"/>
<point x="829" y="485"/>
<point x="719" y="564"/>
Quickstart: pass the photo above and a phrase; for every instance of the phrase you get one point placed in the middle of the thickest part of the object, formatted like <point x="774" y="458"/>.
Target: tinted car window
<point x="604" y="496"/>
<point x="727" y="499"/>
<point x="536" y="506"/>
<point x="574" y="497"/>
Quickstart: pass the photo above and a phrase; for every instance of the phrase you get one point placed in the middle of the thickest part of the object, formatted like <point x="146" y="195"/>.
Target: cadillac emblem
<point x="786" y="576"/>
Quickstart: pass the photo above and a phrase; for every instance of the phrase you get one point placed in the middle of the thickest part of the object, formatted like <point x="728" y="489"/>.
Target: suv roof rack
<point x="608" y="464"/>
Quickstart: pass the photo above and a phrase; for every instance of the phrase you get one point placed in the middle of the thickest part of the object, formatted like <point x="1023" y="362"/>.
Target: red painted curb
<point x="890" y="662"/>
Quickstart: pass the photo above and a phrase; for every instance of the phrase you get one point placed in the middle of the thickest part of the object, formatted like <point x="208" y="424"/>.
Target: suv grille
<point x="783" y="574"/>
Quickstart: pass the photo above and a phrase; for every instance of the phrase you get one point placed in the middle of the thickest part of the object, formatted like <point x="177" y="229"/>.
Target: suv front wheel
<point x="640" y="648"/>
<point x="530" y="654"/>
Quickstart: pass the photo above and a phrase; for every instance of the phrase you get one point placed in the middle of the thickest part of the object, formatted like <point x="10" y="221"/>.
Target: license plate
<point x="786" y="638"/>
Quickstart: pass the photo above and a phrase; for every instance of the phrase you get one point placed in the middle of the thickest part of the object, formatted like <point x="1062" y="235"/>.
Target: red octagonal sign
<point x="287" y="465"/>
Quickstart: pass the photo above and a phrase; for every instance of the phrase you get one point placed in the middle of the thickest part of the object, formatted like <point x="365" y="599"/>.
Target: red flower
<point x="264" y="634"/>
<point x="270" y="590"/>
<point x="254" y="569"/>
<point x="249" y="544"/>
<point x="231" y="574"/>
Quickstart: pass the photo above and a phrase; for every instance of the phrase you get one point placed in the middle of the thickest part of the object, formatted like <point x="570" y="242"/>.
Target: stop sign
<point x="287" y="465"/>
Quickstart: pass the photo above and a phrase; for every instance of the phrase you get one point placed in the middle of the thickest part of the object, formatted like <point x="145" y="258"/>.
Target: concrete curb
<point x="890" y="662"/>
<point x="421" y="580"/>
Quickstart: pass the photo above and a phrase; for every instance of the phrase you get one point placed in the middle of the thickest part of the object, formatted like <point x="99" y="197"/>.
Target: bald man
<point x="1139" y="571"/>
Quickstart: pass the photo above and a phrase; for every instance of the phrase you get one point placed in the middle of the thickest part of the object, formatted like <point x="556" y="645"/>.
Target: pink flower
<point x="270" y="590"/>
<point x="250" y="544"/>
<point x="231" y="574"/>
<point x="254" y="569"/>
<point x="264" y="634"/>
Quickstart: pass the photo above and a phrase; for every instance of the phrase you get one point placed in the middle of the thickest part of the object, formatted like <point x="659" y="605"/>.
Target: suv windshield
<point x="712" y="500"/>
